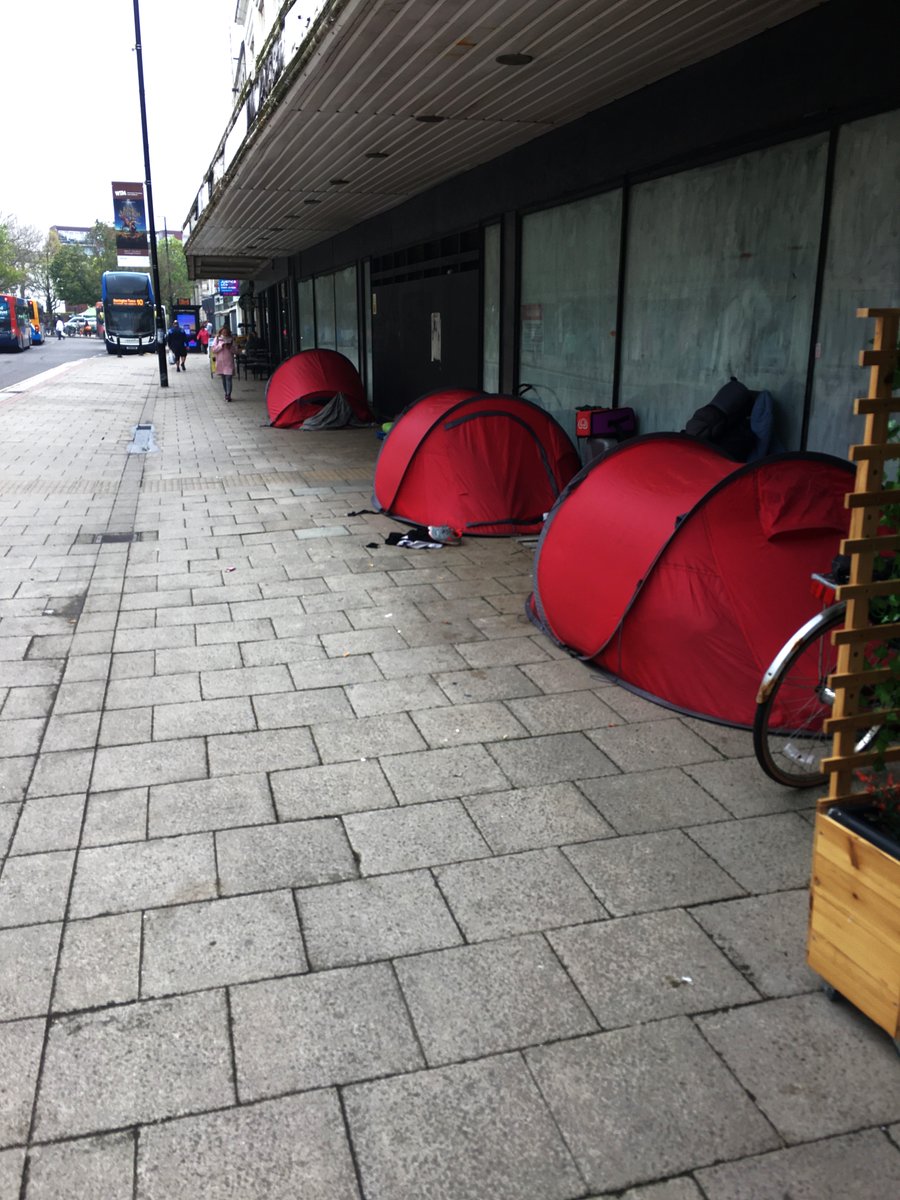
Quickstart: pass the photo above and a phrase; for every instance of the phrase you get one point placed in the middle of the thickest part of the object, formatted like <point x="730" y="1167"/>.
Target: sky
<point x="82" y="106"/>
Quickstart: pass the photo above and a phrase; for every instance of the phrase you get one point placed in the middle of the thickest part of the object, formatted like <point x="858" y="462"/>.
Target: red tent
<point x="483" y="464"/>
<point x="681" y="573"/>
<point x="307" y="381"/>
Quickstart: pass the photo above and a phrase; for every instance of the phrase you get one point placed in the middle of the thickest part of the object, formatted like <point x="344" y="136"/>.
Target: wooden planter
<point x="854" y="928"/>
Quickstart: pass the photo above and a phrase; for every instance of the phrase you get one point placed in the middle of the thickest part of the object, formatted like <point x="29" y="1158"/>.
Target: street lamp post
<point x="154" y="258"/>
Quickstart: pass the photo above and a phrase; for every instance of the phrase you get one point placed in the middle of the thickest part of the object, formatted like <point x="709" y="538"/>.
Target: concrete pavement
<point x="324" y="874"/>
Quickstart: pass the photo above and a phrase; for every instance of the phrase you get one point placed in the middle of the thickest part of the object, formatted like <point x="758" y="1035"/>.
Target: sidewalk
<point x="325" y="875"/>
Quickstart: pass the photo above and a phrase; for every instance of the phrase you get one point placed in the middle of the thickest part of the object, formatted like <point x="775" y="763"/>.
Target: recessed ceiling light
<point x="376" y="154"/>
<point x="429" y="119"/>
<point x="338" y="182"/>
<point x="514" y="60"/>
<point x="312" y="200"/>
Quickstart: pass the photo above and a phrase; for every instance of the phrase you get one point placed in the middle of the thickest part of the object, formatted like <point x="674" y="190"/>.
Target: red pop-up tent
<point x="307" y="381"/>
<point x="482" y="464"/>
<point x="681" y="573"/>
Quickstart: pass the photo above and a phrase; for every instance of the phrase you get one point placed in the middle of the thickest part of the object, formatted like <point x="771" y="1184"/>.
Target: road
<point x="15" y="368"/>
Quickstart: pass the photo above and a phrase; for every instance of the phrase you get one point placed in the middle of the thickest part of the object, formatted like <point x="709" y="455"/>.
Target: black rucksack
<point x="725" y="421"/>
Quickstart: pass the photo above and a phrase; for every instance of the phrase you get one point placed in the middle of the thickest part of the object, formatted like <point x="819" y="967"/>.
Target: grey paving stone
<point x="464" y="723"/>
<point x="139" y="663"/>
<point x="279" y="1149"/>
<point x="562" y="675"/>
<point x="246" y="681"/>
<point x="441" y="774"/>
<point x="418" y="835"/>
<point x="12" y="1163"/>
<point x="125" y="727"/>
<point x="642" y="802"/>
<point x="9" y="815"/>
<point x="62" y="773"/>
<point x="80" y="697"/>
<point x="472" y="1001"/>
<point x="764" y="854"/>
<point x="100" y="962"/>
<point x="290" y="854"/>
<point x="765" y="938"/>
<point x="366" y="737"/>
<point x="18" y="738"/>
<point x="518" y="893"/>
<point x="24" y="702"/>
<point x="565" y="712"/>
<point x="667" y="1104"/>
<point x="118" y="767"/>
<point x="27" y="963"/>
<point x="485" y="683"/>
<point x="14" y="776"/>
<point x="269" y="750"/>
<point x="190" y="660"/>
<point x="86" y="667"/>
<point x="843" y="1168"/>
<point x="127" y="641"/>
<point x="650" y="871"/>
<point x="551" y="759"/>
<point x="330" y="790"/>
<point x="20" y="1054"/>
<point x="71" y="732"/>
<point x="195" y="946"/>
<point x="284" y="711"/>
<point x="34" y="888"/>
<point x="284" y="650"/>
<point x="463" y="1133"/>
<point x="202" y="718"/>
<point x="682" y="1188"/>
<point x="135" y="875"/>
<point x="742" y="788"/>
<point x="141" y="1062"/>
<point x="119" y="816"/>
<point x="652" y="745"/>
<point x="219" y="803"/>
<point x="96" y="1168"/>
<point x="318" y="1030"/>
<point x="788" y="1054"/>
<point x="395" y="664"/>
<point x="642" y="968"/>
<point x="410" y="693"/>
<point x="49" y="823"/>
<point x="634" y="708"/>
<point x="369" y="919"/>
<point x="531" y="818"/>
<point x="509" y="652"/>
<point x="222" y="632"/>
<point x="145" y="692"/>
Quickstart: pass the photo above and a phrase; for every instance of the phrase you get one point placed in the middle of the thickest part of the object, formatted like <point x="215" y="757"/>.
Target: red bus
<point x="15" y="327"/>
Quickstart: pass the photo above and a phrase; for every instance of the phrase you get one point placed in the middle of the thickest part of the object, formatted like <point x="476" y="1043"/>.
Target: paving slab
<point x="462" y="1132"/>
<point x="117" y="767"/>
<point x="288" y="854"/>
<point x="20" y="1053"/>
<point x="35" y="887"/>
<point x="49" y="823"/>
<point x="442" y="774"/>
<point x="330" y="790"/>
<point x="319" y="1030"/>
<point x="140" y="1062"/>
<point x="646" y="801"/>
<point x="12" y="1164"/>
<point x="637" y="1104"/>
<point x="553" y="758"/>
<point x="418" y="835"/>
<point x="531" y="818"/>
<point x="277" y="1149"/>
<point x="741" y="787"/>
<point x="854" y="1167"/>
<point x="100" y="962"/>
<point x="248" y="753"/>
<point x="764" y="854"/>
<point x="27" y="963"/>
<point x="117" y="816"/>
<point x="382" y="917"/>
<point x="87" y="1169"/>
<point x="135" y="875"/>
<point x="472" y="1001"/>
<point x="787" y="1053"/>
<point x="202" y="804"/>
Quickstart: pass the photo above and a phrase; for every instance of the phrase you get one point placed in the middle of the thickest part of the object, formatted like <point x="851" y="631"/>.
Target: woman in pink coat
<point x="222" y="347"/>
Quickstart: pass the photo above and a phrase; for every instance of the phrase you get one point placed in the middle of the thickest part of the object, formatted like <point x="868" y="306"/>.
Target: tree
<point x="9" y="274"/>
<point x="76" y="275"/>
<point x="20" y="247"/>
<point x="173" y="272"/>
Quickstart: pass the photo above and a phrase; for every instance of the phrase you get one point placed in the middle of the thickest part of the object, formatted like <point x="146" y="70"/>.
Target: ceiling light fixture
<point x="312" y="200"/>
<point x="376" y="154"/>
<point x="514" y="60"/>
<point x="429" y="119"/>
<point x="338" y="182"/>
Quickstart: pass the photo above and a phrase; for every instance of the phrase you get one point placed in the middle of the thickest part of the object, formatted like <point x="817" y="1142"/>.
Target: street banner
<point x="130" y="221"/>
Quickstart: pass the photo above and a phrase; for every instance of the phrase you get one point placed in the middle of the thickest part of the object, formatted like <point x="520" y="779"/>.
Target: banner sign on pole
<point x="130" y="220"/>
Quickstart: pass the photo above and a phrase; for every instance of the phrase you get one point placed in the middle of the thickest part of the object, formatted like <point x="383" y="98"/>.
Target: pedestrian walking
<point x="177" y="343"/>
<point x="203" y="338"/>
<point x="222" y="347"/>
<point x="60" y="327"/>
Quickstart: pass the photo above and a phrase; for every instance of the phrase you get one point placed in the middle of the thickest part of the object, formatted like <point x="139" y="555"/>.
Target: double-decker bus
<point x="15" y="328"/>
<point x="36" y="320"/>
<point x="128" y="312"/>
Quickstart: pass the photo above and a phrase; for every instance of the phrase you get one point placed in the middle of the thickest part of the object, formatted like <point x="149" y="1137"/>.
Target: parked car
<point x="75" y="326"/>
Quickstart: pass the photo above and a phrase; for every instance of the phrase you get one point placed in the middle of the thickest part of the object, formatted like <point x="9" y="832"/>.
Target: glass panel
<point x="721" y="272"/>
<point x="862" y="270"/>
<point x="347" y="340"/>
<point x="306" y="314"/>
<point x="490" y="367"/>
<point x="367" y="317"/>
<point x="570" y="267"/>
<point x="325" y="332"/>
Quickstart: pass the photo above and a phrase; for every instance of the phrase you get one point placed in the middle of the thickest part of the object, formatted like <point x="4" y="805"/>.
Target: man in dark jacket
<point x="177" y="343"/>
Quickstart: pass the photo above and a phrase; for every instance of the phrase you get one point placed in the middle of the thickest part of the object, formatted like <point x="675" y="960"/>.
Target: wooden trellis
<point x="851" y="713"/>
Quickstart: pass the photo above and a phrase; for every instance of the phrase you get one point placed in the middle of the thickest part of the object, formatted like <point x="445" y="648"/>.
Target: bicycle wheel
<point x="794" y="700"/>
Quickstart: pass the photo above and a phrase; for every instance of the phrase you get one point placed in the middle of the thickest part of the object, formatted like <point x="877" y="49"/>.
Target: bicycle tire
<point x="787" y="729"/>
